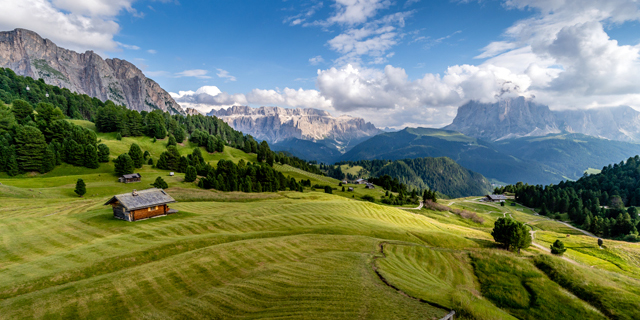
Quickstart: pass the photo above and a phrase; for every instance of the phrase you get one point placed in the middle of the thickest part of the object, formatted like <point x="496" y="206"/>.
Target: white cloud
<point x="224" y="74"/>
<point x="195" y="73"/>
<point x="151" y="51"/>
<point x="353" y="12"/>
<point x="128" y="46"/>
<point x="316" y="60"/>
<point x="101" y="8"/>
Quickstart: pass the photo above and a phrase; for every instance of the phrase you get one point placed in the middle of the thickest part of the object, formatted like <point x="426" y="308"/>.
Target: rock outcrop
<point x="276" y="124"/>
<point x="520" y="117"/>
<point x="28" y="54"/>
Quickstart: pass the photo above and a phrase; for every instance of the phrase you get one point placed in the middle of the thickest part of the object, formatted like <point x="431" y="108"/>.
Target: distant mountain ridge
<point x="277" y="125"/>
<point x="520" y="117"/>
<point x="28" y="54"/>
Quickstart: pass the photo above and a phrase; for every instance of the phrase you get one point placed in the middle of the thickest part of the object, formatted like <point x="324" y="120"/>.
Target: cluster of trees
<point x="40" y="140"/>
<point x="401" y="199"/>
<point x="247" y="177"/>
<point x="388" y="183"/>
<point x="604" y="203"/>
<point x="513" y="235"/>
<point x="209" y="132"/>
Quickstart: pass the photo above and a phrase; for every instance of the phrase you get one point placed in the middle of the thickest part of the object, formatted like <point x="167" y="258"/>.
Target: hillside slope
<point x="471" y="153"/>
<point x="27" y="54"/>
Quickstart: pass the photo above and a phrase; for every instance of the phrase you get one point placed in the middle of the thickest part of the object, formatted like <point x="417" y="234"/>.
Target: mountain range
<point x="287" y="129"/>
<point x="28" y="54"/>
<point x="520" y="117"/>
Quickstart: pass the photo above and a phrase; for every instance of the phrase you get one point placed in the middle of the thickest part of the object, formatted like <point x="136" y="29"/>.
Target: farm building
<point x="361" y="181"/>
<point x="370" y="186"/>
<point x="350" y="189"/>
<point x="495" y="198"/>
<point x="139" y="205"/>
<point x="345" y="182"/>
<point x="130" y="178"/>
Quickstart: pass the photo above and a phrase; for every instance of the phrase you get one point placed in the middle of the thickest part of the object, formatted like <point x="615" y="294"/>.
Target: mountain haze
<point x="28" y="54"/>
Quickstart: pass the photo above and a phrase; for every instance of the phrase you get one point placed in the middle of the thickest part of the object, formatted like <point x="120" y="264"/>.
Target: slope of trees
<point x="604" y="204"/>
<point x="65" y="142"/>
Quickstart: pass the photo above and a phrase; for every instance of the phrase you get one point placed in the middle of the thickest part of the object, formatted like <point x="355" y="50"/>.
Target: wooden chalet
<point x="495" y="198"/>
<point x="361" y="181"/>
<point x="139" y="205"/>
<point x="130" y="178"/>
<point x="370" y="186"/>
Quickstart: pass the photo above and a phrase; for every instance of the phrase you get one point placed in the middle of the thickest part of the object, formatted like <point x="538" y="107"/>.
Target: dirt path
<point x="586" y="233"/>
<point x="418" y="208"/>
<point x="547" y="250"/>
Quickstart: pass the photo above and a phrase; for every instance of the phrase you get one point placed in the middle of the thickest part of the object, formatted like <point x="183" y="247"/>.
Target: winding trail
<point x="418" y="208"/>
<point x="586" y="233"/>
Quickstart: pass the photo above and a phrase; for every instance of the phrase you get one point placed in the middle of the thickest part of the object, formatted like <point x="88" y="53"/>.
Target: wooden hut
<point x="139" y="205"/>
<point x="130" y="178"/>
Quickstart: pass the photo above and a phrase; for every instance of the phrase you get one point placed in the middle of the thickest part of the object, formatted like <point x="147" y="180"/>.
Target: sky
<point x="394" y="63"/>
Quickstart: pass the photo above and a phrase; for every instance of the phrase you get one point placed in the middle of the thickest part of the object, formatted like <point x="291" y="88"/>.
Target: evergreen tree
<point x="558" y="247"/>
<point x="22" y="110"/>
<point x="103" y="153"/>
<point x="150" y="162"/>
<point x="146" y="155"/>
<point x="91" y="157"/>
<point x="123" y="164"/>
<point x="169" y="160"/>
<point x="80" y="188"/>
<point x="183" y="164"/>
<point x="172" y="141"/>
<point x="191" y="174"/>
<point x="327" y="189"/>
<point x="179" y="135"/>
<point x="12" y="163"/>
<point x="136" y="155"/>
<point x="160" y="183"/>
<point x="512" y="234"/>
<point x="49" y="159"/>
<point x="118" y="136"/>
<point x="30" y="148"/>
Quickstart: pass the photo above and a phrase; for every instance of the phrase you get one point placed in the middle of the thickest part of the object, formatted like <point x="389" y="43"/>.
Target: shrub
<point x="558" y="247"/>
<point x="368" y="198"/>
<point x="328" y="189"/>
<point x="81" y="188"/>
<point x="160" y="183"/>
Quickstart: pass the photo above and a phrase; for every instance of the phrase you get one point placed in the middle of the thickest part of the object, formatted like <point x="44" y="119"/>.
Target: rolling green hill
<point x="439" y="174"/>
<point x="471" y="153"/>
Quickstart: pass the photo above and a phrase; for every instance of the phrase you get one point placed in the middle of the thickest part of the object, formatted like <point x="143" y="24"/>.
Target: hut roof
<point x="131" y="176"/>
<point x="142" y="199"/>
<point x="495" y="197"/>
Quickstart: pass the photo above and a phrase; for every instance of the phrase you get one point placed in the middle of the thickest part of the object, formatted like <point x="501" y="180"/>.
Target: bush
<point x="328" y="189"/>
<point x="118" y="136"/>
<point x="368" y="198"/>
<point x="81" y="188"/>
<point x="558" y="247"/>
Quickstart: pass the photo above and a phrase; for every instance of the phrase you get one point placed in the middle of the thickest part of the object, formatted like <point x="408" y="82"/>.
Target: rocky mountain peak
<point x="276" y="124"/>
<point x="28" y="54"/>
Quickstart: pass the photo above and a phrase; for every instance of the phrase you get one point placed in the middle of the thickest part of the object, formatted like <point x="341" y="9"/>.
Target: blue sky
<point x="395" y="63"/>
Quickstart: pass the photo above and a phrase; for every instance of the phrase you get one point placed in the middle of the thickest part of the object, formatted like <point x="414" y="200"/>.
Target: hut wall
<point x="146" y="213"/>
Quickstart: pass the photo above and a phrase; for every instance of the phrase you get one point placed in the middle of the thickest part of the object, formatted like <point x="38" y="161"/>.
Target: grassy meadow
<point x="287" y="255"/>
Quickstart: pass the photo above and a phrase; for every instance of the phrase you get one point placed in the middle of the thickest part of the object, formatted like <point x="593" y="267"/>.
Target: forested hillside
<point x="471" y="153"/>
<point x="38" y="141"/>
<point x="604" y="204"/>
<point x="439" y="174"/>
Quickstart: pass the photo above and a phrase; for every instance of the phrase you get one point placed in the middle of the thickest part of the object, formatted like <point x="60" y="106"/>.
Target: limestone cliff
<point x="27" y="54"/>
<point x="276" y="124"/>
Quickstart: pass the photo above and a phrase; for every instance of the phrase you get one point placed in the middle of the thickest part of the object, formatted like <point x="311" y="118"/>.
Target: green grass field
<point x="287" y="255"/>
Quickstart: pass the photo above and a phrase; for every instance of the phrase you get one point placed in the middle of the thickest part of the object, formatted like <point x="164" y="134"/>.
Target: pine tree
<point x="91" y="157"/>
<point x="150" y="162"/>
<point x="160" y="183"/>
<point x="179" y="135"/>
<point x="103" y="153"/>
<point x="172" y="141"/>
<point x="49" y="159"/>
<point x="22" y="110"/>
<point x="12" y="163"/>
<point x="80" y="188"/>
<point x="123" y="164"/>
<point x="136" y="155"/>
<point x="191" y="174"/>
<point x="30" y="148"/>
<point x="118" y="136"/>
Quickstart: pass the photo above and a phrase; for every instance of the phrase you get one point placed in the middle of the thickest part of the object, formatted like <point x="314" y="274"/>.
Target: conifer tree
<point x="49" y="159"/>
<point x="558" y="247"/>
<point x="22" y="110"/>
<point x="80" y="188"/>
<point x="103" y="153"/>
<point x="12" y="163"/>
<point x="160" y="183"/>
<point x="123" y="164"/>
<point x="136" y="155"/>
<point x="91" y="157"/>
<point x="179" y="135"/>
<point x="172" y="141"/>
<point x="191" y="174"/>
<point x="30" y="148"/>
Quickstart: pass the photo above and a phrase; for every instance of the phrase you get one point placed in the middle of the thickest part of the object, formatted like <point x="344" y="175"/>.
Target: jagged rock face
<point x="509" y="118"/>
<point x="519" y="117"/>
<point x="192" y="112"/>
<point x="276" y="124"/>
<point x="27" y="54"/>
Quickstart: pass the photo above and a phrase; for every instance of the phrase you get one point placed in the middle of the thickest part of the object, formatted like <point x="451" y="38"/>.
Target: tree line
<point x="604" y="204"/>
